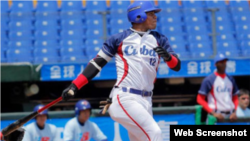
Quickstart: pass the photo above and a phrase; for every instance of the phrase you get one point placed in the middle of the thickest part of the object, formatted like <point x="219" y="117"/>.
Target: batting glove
<point x="69" y="92"/>
<point x="163" y="53"/>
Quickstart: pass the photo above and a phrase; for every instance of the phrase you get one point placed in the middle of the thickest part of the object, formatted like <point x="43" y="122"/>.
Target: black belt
<point x="135" y="91"/>
<point x="225" y="112"/>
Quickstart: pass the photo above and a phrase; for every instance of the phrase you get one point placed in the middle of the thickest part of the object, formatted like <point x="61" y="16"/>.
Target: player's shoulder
<point x="210" y="78"/>
<point x="230" y="77"/>
<point x="52" y="126"/>
<point x="72" y="121"/>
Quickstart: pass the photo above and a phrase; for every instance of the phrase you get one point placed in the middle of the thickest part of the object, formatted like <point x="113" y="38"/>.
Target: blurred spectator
<point x="243" y="110"/>
<point x="80" y="128"/>
<point x="218" y="92"/>
<point x="40" y="130"/>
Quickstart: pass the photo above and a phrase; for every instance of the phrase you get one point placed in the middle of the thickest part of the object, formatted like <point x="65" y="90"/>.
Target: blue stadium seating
<point x="194" y="12"/>
<point x="170" y="12"/>
<point x="4" y="7"/>
<point x="238" y="3"/>
<point x="172" y="30"/>
<point x="179" y="47"/>
<point x="19" y="44"/>
<point x="116" y="30"/>
<point x="94" y="32"/>
<point x="4" y="25"/>
<point x="93" y="42"/>
<point x="224" y="28"/>
<point x="241" y="19"/>
<point x="96" y="5"/>
<point x="46" y="55"/>
<point x="168" y="4"/>
<point x="39" y="43"/>
<point x="48" y="34"/>
<point x="200" y="49"/>
<point x="236" y="11"/>
<point x="19" y="55"/>
<point x="68" y="24"/>
<point x="46" y="15"/>
<point x="94" y="23"/>
<point x="195" y="20"/>
<point x="120" y="23"/>
<point x="230" y="48"/>
<point x="46" y="6"/>
<point x="72" y="34"/>
<point x="74" y="59"/>
<point x="197" y="29"/>
<point x="91" y="51"/>
<point x="242" y="29"/>
<point x="117" y="13"/>
<point x="20" y="25"/>
<point x="71" y="51"/>
<point x="170" y="20"/>
<point x="119" y="4"/>
<point x="44" y="24"/>
<point x="176" y="39"/>
<point x="193" y="4"/>
<point x="72" y="15"/>
<point x="71" y="6"/>
<point x="4" y="38"/>
<point x="3" y="56"/>
<point x="21" y="10"/>
<point x="241" y="37"/>
<point x="72" y="43"/>
<point x="245" y="47"/>
<point x="20" y="35"/>
<point x="215" y="4"/>
<point x="225" y="37"/>
<point x="198" y="38"/>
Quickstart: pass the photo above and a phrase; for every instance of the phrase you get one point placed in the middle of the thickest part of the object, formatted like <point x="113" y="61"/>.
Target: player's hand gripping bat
<point x="105" y="105"/>
<point x="14" y="126"/>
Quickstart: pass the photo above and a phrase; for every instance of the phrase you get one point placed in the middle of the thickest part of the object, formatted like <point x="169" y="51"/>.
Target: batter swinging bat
<point x="12" y="127"/>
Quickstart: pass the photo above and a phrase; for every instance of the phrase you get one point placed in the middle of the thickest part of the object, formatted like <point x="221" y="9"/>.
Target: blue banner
<point x="191" y="68"/>
<point x="114" y="131"/>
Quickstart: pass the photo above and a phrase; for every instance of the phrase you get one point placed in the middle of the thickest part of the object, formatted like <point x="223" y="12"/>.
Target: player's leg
<point x="131" y="112"/>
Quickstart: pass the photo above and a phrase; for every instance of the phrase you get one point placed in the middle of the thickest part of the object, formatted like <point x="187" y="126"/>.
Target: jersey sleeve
<point x="27" y="135"/>
<point x="68" y="133"/>
<point x="110" y="46"/>
<point x="205" y="87"/>
<point x="97" y="133"/>
<point x="235" y="87"/>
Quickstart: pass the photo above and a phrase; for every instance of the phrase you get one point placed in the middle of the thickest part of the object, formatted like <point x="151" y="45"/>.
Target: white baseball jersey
<point x="242" y="113"/>
<point x="136" y="61"/>
<point x="74" y="131"/>
<point x="219" y="91"/>
<point x="33" y="133"/>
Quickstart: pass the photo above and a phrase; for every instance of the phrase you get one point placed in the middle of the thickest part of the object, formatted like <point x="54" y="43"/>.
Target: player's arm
<point x="235" y="93"/>
<point x="165" y="51"/>
<point x="97" y="133"/>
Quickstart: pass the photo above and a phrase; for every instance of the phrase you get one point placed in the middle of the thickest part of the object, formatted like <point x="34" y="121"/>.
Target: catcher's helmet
<point x="137" y="11"/>
<point x="45" y="112"/>
<point x="82" y="105"/>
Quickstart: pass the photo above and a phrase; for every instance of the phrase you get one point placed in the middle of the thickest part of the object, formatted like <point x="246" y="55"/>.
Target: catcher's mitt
<point x="17" y="135"/>
<point x="105" y="105"/>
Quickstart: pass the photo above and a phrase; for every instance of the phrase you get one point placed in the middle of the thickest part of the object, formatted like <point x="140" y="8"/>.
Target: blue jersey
<point x="74" y="131"/>
<point x="219" y="91"/>
<point x="33" y="133"/>
<point x="136" y="61"/>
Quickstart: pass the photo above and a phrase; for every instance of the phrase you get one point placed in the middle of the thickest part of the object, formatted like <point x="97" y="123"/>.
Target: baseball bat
<point x="13" y="126"/>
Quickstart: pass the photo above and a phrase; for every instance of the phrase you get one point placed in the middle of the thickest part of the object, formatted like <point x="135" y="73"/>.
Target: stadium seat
<point x="197" y="29"/>
<point x="119" y="4"/>
<point x="3" y="36"/>
<point x="172" y="30"/>
<point x="4" y="7"/>
<point x="243" y="28"/>
<point x="48" y="34"/>
<point x="230" y="46"/>
<point x="225" y="37"/>
<point x="120" y="23"/>
<point x="71" y="51"/>
<point x="176" y="39"/>
<point x="46" y="15"/>
<point x="19" y="55"/>
<point x="47" y="6"/>
<point x="224" y="28"/>
<point x="241" y="19"/>
<point x="71" y="5"/>
<point x="20" y="25"/>
<point x="169" y="12"/>
<point x="74" y="59"/>
<point x="93" y="42"/>
<point x="194" y="20"/>
<point x="21" y="10"/>
<point x="179" y="47"/>
<point x="193" y="4"/>
<point x="242" y="37"/>
<point x="239" y="3"/>
<point x="198" y="38"/>
<point x="46" y="55"/>
<point x="20" y="35"/>
<point x="168" y="4"/>
<point x="194" y="11"/>
<point x="94" y="33"/>
<point x="92" y="51"/>
<point x="72" y="15"/>
<point x="68" y="24"/>
<point x="45" y="43"/>
<point x="70" y="43"/>
<point x="118" y="13"/>
<point x="215" y="4"/>
<point x="245" y="47"/>
<point x="94" y="23"/>
<point x="224" y="18"/>
<point x="200" y="49"/>
<point x="72" y="34"/>
<point x="236" y="11"/>
<point x="19" y="44"/>
<point x="116" y="30"/>
<point x="51" y="24"/>
<point x="170" y="20"/>
<point x="96" y="5"/>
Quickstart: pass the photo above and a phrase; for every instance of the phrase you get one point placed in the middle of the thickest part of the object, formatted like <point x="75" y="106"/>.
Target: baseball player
<point x="218" y="92"/>
<point x="40" y="130"/>
<point x="80" y="128"/>
<point x="16" y="135"/>
<point x="137" y="53"/>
